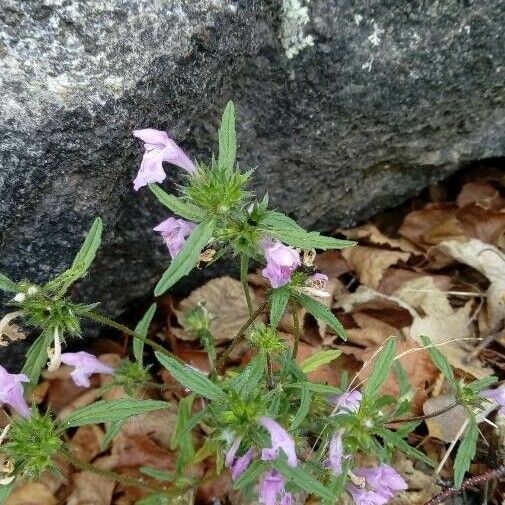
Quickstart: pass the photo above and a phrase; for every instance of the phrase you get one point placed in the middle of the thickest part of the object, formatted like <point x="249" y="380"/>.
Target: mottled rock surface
<point x="344" y="107"/>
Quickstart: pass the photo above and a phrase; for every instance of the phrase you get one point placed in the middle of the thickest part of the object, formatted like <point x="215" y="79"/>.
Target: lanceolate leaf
<point x="247" y="381"/>
<point x="285" y="229"/>
<point x="111" y="411"/>
<point x="141" y="329"/>
<point x="7" y="285"/>
<point x="381" y="369"/>
<point x="318" y="359"/>
<point x="227" y="138"/>
<point x="5" y="492"/>
<point x="465" y="453"/>
<point x="36" y="359"/>
<point x="441" y="362"/>
<point x="278" y="300"/>
<point x="177" y="205"/>
<point x="185" y="261"/>
<point x="190" y="378"/>
<point x="320" y="311"/>
<point x="303" y="410"/>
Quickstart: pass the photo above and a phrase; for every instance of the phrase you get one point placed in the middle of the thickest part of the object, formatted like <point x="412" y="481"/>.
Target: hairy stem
<point x="99" y="318"/>
<point x="239" y="337"/>
<point x="422" y="418"/>
<point x="471" y="481"/>
<point x="109" y="474"/>
<point x="244" y="267"/>
<point x="270" y="373"/>
<point x="296" y="327"/>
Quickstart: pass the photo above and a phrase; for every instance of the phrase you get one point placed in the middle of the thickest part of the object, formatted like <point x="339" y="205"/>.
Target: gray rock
<point x="344" y="107"/>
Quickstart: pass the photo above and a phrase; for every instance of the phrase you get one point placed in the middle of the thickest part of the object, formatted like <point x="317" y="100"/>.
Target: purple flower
<point x="11" y="391"/>
<point x="335" y="453"/>
<point x="383" y="479"/>
<point x="159" y="148"/>
<point x="85" y="365"/>
<point x="280" y="440"/>
<point x="365" y="497"/>
<point x="174" y="232"/>
<point x="319" y="280"/>
<point x="272" y="490"/>
<point x="346" y="402"/>
<point x="282" y="261"/>
<point x="239" y="465"/>
<point x="497" y="395"/>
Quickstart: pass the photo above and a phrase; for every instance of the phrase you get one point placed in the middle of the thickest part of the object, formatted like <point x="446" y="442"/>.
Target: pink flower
<point x="11" y="391"/>
<point x="85" y="365"/>
<point x="382" y="483"/>
<point x="238" y="465"/>
<point x="335" y="453"/>
<point x="347" y="402"/>
<point x="498" y="396"/>
<point x="282" y="261"/>
<point x="365" y="497"/>
<point x="280" y="441"/>
<point x="272" y="490"/>
<point x="174" y="232"/>
<point x="159" y="148"/>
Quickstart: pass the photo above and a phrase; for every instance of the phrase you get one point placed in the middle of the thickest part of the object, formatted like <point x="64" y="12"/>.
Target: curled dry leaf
<point x="225" y="300"/>
<point x="480" y="193"/>
<point x="370" y="263"/>
<point x="91" y="489"/>
<point x="31" y="493"/>
<point x="86" y="441"/>
<point x="489" y="261"/>
<point x="372" y="331"/>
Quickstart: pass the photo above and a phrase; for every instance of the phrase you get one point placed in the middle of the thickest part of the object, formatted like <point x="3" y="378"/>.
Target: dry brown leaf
<point x="480" y="193"/>
<point x="447" y="425"/>
<point x="225" y="300"/>
<point x="86" y="442"/>
<point x="376" y="237"/>
<point x="370" y="263"/>
<point x="482" y="224"/>
<point x="371" y="332"/>
<point x="91" y="489"/>
<point x="490" y="261"/>
<point x="31" y="493"/>
<point x="332" y="264"/>
<point x="394" y="278"/>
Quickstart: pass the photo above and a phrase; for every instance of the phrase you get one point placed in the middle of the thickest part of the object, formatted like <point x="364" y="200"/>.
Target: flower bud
<point x="20" y="298"/>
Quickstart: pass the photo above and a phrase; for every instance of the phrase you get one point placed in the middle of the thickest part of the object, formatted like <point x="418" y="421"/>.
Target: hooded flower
<point x="382" y="479"/>
<point x="272" y="490"/>
<point x="335" y="453"/>
<point x="282" y="261"/>
<point x="365" y="497"/>
<point x="85" y="365"/>
<point x="11" y="391"/>
<point x="280" y="440"/>
<point x="347" y="402"/>
<point x="159" y="148"/>
<point x="498" y="396"/>
<point x="174" y="232"/>
<point x="238" y="465"/>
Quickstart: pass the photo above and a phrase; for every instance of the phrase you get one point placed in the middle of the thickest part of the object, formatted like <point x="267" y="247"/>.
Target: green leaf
<point x="303" y="410"/>
<point x="316" y="387"/>
<point x="381" y="369"/>
<point x="190" y="378"/>
<point x="466" y="453"/>
<point x="36" y="359"/>
<point x="398" y="442"/>
<point x="82" y="261"/>
<point x="7" y="285"/>
<point x="251" y="474"/>
<point x="319" y="359"/>
<point x="5" y="492"/>
<point x="320" y="311"/>
<point x="178" y="205"/>
<point x="247" y="381"/>
<point x="161" y="475"/>
<point x="278" y="301"/>
<point x="185" y="261"/>
<point x="142" y="328"/>
<point x="155" y="499"/>
<point x="303" y="479"/>
<point x="227" y="138"/>
<point x="111" y="411"/>
<point x="182" y="438"/>
<point x="441" y="363"/>
<point x="111" y="433"/>
<point x="285" y="229"/>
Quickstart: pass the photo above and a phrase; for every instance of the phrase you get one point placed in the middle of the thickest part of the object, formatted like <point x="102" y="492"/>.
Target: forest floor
<point x="433" y="267"/>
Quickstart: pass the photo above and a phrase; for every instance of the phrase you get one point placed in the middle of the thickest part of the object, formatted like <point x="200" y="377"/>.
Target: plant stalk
<point x="244" y="267"/>
<point x="296" y="328"/>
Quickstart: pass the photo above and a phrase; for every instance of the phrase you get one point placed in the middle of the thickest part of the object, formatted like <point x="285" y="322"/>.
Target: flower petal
<point x="152" y="136"/>
<point x="151" y="169"/>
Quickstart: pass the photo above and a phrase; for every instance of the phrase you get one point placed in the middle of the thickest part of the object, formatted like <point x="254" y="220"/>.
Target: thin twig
<point x="244" y="267"/>
<point x="239" y="337"/>
<point x="471" y="481"/>
<point x="426" y="416"/>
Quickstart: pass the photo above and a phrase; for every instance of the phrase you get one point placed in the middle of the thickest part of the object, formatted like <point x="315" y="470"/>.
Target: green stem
<point x="244" y="267"/>
<point x="270" y="373"/>
<point x="422" y="418"/>
<point x="109" y="474"/>
<point x="99" y="318"/>
<point x="239" y="337"/>
<point x="296" y="327"/>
